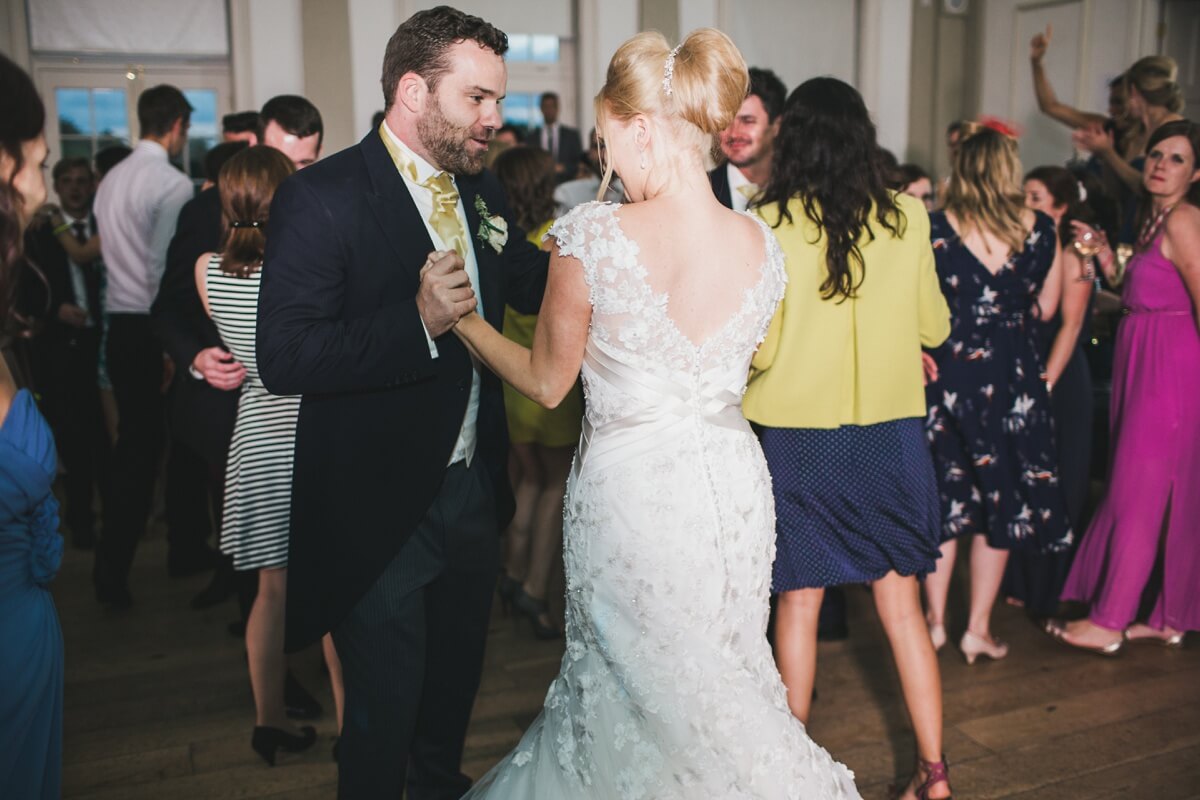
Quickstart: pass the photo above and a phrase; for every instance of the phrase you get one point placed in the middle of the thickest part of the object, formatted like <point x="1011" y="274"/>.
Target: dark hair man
<point x="136" y="208"/>
<point x="66" y="351"/>
<point x="241" y="126"/>
<point x="558" y="140"/>
<point x="204" y="393"/>
<point x="749" y="142"/>
<point x="400" y="487"/>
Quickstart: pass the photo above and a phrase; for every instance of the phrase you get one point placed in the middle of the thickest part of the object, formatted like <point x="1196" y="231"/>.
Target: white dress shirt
<point x="136" y="209"/>
<point x="78" y="283"/>
<point x="464" y="448"/>
<point x="737" y="180"/>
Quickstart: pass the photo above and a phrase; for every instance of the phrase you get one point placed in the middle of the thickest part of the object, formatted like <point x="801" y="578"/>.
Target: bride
<point x="667" y="687"/>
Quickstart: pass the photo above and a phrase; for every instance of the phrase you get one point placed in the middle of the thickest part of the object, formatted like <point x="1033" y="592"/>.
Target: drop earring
<point x="642" y="160"/>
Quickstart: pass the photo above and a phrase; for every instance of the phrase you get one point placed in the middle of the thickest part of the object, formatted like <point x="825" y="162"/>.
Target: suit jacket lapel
<point x="394" y="208"/>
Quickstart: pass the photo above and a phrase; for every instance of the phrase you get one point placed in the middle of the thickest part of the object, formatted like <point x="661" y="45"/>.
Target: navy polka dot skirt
<point x="852" y="503"/>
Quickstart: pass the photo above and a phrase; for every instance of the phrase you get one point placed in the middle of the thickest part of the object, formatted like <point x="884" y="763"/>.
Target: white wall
<point x="268" y="50"/>
<point x="1093" y="42"/>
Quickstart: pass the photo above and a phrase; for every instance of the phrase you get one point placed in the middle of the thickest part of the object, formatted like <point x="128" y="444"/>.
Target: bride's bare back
<point x="700" y="255"/>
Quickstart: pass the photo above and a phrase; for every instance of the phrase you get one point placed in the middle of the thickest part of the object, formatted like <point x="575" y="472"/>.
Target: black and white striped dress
<point x="258" y="475"/>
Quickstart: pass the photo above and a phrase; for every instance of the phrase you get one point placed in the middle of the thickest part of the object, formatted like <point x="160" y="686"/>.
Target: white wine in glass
<point x="1087" y="244"/>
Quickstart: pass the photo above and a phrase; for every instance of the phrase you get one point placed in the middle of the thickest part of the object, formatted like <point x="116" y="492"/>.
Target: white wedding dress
<point x="668" y="688"/>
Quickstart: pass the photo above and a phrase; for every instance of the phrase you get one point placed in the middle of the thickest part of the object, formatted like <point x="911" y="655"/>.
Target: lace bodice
<point x="631" y="323"/>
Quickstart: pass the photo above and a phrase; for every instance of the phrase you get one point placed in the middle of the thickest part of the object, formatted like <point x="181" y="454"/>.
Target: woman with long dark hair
<point x="31" y="657"/>
<point x="836" y="391"/>
<point x="989" y="420"/>
<point x="1034" y="579"/>
<point x="543" y="440"/>
<point x="1152" y="504"/>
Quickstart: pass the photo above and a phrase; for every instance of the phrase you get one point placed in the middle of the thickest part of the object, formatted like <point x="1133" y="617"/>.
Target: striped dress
<point x="258" y="474"/>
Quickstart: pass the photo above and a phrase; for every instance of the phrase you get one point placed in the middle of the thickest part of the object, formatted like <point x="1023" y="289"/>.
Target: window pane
<point x="519" y="109"/>
<point x="73" y="113"/>
<point x="75" y="147"/>
<point x="204" y="113"/>
<point x="112" y="114"/>
<point x="545" y="48"/>
<point x="518" y="47"/>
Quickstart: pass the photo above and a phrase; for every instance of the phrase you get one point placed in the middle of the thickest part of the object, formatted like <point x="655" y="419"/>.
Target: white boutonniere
<point x="493" y="228"/>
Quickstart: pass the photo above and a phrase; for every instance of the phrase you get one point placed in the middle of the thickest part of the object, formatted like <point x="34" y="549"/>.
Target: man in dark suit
<point x="66" y="350"/>
<point x="748" y="144"/>
<point x="557" y="139"/>
<point x="399" y="488"/>
<point x="204" y="395"/>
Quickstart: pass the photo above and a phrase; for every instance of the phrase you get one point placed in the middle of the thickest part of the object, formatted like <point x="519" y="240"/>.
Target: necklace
<point x="1151" y="226"/>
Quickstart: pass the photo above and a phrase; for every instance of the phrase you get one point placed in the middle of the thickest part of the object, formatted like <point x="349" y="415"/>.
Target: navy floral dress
<point x="989" y="421"/>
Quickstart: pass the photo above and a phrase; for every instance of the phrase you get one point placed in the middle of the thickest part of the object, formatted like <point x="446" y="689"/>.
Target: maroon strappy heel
<point x="939" y="772"/>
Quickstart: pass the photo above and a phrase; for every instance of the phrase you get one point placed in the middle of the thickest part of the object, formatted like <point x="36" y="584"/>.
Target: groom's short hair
<point x="420" y="43"/>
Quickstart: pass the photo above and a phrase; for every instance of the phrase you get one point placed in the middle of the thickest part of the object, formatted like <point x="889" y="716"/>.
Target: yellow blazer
<point x="826" y="363"/>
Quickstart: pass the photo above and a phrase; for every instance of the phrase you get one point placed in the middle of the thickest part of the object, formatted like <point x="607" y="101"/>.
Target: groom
<point x="399" y="489"/>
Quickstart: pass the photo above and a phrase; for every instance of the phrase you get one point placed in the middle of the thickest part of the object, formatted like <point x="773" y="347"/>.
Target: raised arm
<point x="1098" y="141"/>
<point x="1047" y="100"/>
<point x="546" y="373"/>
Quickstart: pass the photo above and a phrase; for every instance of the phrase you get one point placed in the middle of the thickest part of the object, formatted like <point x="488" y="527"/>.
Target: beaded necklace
<point x="1151" y="226"/>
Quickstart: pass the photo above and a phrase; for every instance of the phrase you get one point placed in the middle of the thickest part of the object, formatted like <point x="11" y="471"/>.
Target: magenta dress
<point x="1155" y="475"/>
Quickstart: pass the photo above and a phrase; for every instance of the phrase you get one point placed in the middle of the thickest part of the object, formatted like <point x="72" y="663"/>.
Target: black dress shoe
<point x="267" y="740"/>
<point x="219" y="589"/>
<point x="299" y="702"/>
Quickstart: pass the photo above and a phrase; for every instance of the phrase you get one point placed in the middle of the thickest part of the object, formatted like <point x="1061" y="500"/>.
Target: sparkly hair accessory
<point x="247" y="223"/>
<point x="669" y="70"/>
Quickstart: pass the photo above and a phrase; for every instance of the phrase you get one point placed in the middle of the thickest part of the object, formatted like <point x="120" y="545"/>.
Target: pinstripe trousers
<point x="412" y="650"/>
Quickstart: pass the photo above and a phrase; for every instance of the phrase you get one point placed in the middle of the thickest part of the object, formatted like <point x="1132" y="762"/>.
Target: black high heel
<point x="534" y="609"/>
<point x="507" y="589"/>
<point x="267" y="740"/>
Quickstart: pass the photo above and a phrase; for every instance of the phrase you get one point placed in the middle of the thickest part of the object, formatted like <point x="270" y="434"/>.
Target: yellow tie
<point x="444" y="218"/>
<point x="748" y="191"/>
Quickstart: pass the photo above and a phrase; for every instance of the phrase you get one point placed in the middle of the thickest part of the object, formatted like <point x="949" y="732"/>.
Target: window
<point x="521" y="109"/>
<point x="204" y="132"/>
<point x="91" y="119"/>
<point x="539" y="48"/>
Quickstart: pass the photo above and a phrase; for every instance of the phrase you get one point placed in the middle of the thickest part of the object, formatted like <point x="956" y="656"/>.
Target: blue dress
<point x="31" y="646"/>
<point x="989" y="420"/>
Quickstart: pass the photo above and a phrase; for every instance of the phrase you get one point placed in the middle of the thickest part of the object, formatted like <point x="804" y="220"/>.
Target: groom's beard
<point x="452" y="146"/>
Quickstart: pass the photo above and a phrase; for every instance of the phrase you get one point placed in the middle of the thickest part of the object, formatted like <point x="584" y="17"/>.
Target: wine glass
<point x="1087" y="244"/>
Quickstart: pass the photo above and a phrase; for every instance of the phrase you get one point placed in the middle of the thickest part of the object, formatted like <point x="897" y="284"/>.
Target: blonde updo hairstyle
<point x="1155" y="78"/>
<point x="708" y="84"/>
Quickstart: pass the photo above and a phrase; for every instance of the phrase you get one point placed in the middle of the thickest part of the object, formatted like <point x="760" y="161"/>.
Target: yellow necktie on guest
<point x="444" y="219"/>
<point x="748" y="191"/>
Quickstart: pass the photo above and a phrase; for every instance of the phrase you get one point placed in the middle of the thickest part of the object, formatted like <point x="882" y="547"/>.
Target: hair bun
<point x="709" y="80"/>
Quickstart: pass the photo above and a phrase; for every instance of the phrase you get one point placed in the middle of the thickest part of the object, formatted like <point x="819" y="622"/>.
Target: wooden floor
<point x="158" y="706"/>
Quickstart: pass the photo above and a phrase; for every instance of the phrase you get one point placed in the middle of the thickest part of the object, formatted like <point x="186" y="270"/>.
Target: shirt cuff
<point x="195" y="373"/>
<point x="433" y="351"/>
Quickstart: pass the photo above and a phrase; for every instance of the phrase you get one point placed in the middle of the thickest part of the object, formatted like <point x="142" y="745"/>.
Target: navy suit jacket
<point x="202" y="416"/>
<point x="338" y="324"/>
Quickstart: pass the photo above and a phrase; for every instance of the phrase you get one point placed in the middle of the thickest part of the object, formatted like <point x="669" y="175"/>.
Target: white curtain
<point x="186" y="28"/>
